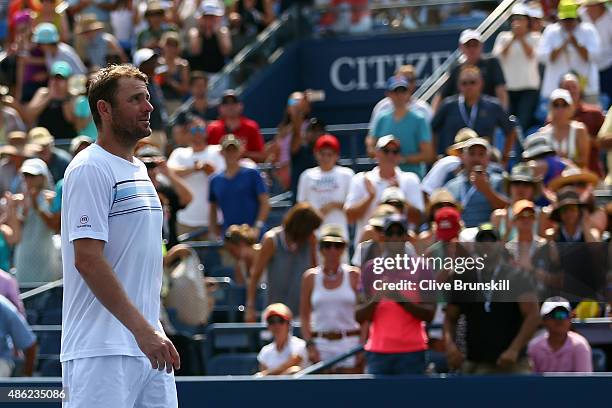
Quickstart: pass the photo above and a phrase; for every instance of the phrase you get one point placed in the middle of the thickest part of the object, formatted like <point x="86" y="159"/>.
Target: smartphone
<point x="478" y="169"/>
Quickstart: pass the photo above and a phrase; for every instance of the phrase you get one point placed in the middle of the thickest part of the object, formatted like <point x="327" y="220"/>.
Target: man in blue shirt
<point x="14" y="325"/>
<point x="473" y="110"/>
<point x="477" y="188"/>
<point x="409" y="127"/>
<point x="239" y="192"/>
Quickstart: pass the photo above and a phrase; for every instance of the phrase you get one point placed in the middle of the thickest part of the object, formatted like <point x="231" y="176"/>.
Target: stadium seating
<point x="233" y="364"/>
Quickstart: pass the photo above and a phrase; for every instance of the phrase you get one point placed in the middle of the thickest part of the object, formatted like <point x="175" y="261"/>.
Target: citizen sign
<point x="371" y="72"/>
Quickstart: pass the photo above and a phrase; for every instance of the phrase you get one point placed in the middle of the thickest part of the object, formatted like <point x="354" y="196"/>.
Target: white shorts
<point x="117" y="382"/>
<point x="332" y="348"/>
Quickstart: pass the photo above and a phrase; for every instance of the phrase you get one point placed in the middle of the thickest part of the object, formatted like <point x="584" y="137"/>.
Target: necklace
<point x="331" y="276"/>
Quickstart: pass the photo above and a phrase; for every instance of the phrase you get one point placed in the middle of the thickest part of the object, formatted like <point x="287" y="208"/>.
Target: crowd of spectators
<point x="439" y="181"/>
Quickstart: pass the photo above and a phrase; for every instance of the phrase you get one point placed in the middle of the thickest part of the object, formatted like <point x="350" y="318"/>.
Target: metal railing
<point x="488" y="27"/>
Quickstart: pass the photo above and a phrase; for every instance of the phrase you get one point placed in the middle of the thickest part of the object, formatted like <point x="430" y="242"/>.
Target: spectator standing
<point x="9" y="287"/>
<point x="397" y="341"/>
<point x="52" y="107"/>
<point x="196" y="105"/>
<point x="36" y="257"/>
<point x="47" y="14"/>
<point x="366" y="188"/>
<point x="12" y="157"/>
<point x="494" y="83"/>
<point x="102" y="10"/>
<point x="570" y="45"/>
<point x="46" y="35"/>
<point x="173" y="73"/>
<point x="326" y="186"/>
<point x="287" y="252"/>
<point x="410" y="128"/>
<point x="568" y="137"/>
<point x="10" y="234"/>
<point x="174" y="193"/>
<point x="196" y="164"/>
<point x="497" y="330"/>
<point x="287" y="353"/>
<point x="146" y="60"/>
<point x="474" y="110"/>
<point x="559" y="349"/>
<point x="477" y="188"/>
<point x="57" y="160"/>
<point x="515" y="50"/>
<point x="328" y="299"/>
<point x="590" y="115"/>
<point x="98" y="48"/>
<point x="416" y="105"/>
<point x="210" y="42"/>
<point x="156" y="27"/>
<point x="239" y="192"/>
<point x="232" y="121"/>
<point x="598" y="13"/>
<point x="15" y="326"/>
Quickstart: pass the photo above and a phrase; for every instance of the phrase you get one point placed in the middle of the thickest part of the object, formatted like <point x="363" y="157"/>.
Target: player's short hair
<point x="103" y="85"/>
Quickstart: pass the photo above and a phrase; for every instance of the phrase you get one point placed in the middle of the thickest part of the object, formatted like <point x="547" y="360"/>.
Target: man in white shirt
<point x="196" y="164"/>
<point x="326" y="186"/>
<point x="599" y="14"/>
<point x="366" y="188"/>
<point x="114" y="350"/>
<point x="385" y="105"/>
<point x="569" y="45"/>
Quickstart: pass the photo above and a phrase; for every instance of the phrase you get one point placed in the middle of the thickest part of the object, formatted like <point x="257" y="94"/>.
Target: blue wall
<point x="340" y="392"/>
<point x="351" y="70"/>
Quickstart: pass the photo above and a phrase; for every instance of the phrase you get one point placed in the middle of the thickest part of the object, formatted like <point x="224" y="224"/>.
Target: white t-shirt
<point x="196" y="213"/>
<point x="112" y="200"/>
<point x="385" y="105"/>
<point x="603" y="25"/>
<point x="436" y="177"/>
<point x="319" y="188"/>
<point x="521" y="72"/>
<point x="569" y="60"/>
<point x="408" y="182"/>
<point x="272" y="358"/>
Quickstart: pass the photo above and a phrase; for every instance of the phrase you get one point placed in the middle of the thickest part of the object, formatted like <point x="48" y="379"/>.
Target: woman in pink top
<point x="559" y="349"/>
<point x="397" y="340"/>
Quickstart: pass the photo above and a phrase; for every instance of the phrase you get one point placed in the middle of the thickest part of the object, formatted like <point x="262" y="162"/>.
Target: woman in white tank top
<point x="328" y="301"/>
<point x="569" y="137"/>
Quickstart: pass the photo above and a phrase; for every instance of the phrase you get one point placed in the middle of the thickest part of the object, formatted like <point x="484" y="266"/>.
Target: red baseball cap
<point x="327" y="141"/>
<point x="448" y="223"/>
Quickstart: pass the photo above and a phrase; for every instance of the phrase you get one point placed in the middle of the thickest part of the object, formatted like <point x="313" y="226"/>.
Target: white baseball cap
<point x="143" y="55"/>
<point x="35" y="167"/>
<point x="561" y="94"/>
<point x="468" y="35"/>
<point x="554" y="302"/>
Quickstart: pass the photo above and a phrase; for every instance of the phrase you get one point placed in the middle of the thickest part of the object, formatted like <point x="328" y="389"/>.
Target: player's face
<point x="131" y="111"/>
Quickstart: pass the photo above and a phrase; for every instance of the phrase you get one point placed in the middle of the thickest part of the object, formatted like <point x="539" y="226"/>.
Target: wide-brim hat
<point x="441" y="196"/>
<point x="462" y="136"/>
<point x="332" y="233"/>
<point x="523" y="173"/>
<point x="536" y="145"/>
<point x="28" y="150"/>
<point x="88" y="23"/>
<point x="566" y="196"/>
<point x="572" y="175"/>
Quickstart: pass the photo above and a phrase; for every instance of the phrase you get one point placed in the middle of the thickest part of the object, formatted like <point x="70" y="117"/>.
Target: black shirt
<point x="490" y="333"/>
<point x="301" y="160"/>
<point x="492" y="75"/>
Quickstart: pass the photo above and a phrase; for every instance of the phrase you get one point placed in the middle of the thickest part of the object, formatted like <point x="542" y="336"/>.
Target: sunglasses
<point x="150" y="165"/>
<point x="401" y="89"/>
<point x="395" y="232"/>
<point x="396" y="204"/>
<point x="468" y="82"/>
<point x="390" y="151"/>
<point x="275" y="320"/>
<point x="526" y="214"/>
<point x="229" y="101"/>
<point x="197" y="130"/>
<point x="559" y="105"/>
<point x="329" y="245"/>
<point x="558" y="315"/>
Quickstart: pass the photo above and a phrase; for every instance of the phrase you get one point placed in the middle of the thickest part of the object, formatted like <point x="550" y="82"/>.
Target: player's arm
<point x="100" y="278"/>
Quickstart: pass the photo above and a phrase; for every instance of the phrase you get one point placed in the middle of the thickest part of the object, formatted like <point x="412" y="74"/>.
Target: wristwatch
<point x="259" y="224"/>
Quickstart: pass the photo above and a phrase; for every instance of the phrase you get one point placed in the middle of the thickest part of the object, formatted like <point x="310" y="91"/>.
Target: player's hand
<point x="159" y="350"/>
